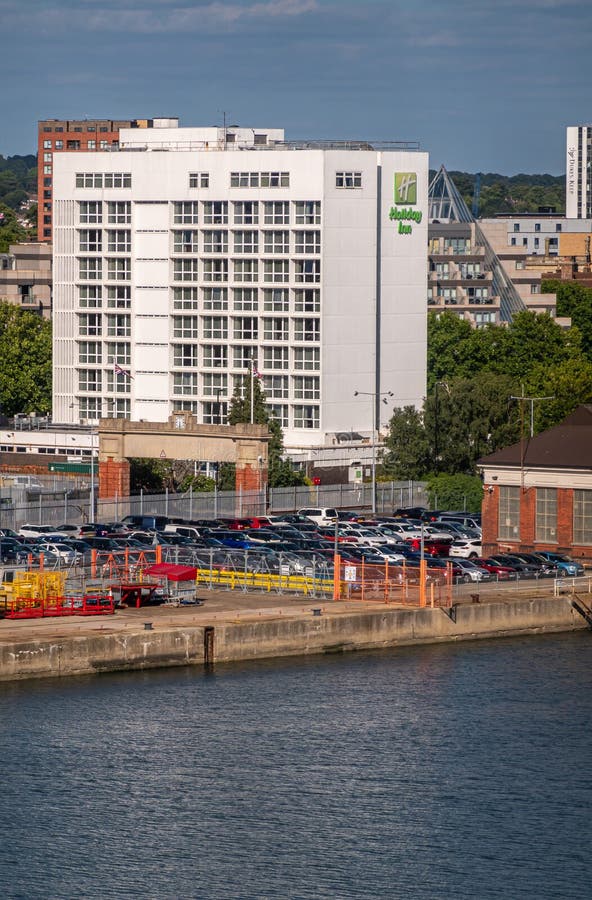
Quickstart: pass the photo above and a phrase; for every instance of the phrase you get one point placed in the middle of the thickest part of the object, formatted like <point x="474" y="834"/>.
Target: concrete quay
<point x="236" y="626"/>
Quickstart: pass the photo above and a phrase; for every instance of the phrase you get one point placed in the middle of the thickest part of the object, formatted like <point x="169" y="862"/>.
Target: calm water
<point x="459" y="771"/>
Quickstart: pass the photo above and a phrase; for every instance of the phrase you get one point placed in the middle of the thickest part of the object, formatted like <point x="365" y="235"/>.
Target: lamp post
<point x="376" y="396"/>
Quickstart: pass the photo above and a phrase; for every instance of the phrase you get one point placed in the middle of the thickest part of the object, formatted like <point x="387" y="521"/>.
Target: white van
<point x="187" y="531"/>
<point x="319" y="515"/>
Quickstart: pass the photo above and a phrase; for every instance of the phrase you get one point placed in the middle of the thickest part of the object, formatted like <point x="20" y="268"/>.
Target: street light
<point x="375" y="395"/>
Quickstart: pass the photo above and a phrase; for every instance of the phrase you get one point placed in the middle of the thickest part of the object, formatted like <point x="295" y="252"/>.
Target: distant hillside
<point x="515" y="194"/>
<point x="18" y="179"/>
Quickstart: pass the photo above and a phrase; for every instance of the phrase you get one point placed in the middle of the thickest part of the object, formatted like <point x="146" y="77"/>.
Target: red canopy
<point x="172" y="572"/>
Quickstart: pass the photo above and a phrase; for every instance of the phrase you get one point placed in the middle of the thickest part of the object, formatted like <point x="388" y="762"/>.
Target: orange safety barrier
<point x="400" y="583"/>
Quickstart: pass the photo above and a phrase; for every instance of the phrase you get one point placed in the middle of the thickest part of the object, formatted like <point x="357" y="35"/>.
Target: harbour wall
<point x="282" y="636"/>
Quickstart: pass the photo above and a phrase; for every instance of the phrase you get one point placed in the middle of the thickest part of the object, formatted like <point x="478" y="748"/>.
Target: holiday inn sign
<point x="405" y="198"/>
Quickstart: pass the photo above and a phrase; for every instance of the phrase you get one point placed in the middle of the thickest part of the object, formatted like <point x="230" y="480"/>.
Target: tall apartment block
<point x="191" y="256"/>
<point x="59" y="135"/>
<point x="578" y="177"/>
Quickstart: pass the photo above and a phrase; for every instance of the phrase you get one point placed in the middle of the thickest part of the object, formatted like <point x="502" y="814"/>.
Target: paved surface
<point x="238" y="606"/>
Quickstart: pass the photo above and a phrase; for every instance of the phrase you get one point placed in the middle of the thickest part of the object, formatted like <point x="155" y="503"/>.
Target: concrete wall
<point x="284" y="637"/>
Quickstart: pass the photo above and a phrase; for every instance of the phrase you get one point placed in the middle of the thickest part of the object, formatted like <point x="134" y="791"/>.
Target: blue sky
<point x="484" y="85"/>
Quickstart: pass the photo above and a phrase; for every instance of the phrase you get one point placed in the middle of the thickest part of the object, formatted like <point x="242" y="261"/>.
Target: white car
<point x="63" y="551"/>
<point x="469" y="549"/>
<point x="37" y="531"/>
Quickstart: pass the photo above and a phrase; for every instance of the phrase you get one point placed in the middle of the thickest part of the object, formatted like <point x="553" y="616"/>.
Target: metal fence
<point x="72" y="505"/>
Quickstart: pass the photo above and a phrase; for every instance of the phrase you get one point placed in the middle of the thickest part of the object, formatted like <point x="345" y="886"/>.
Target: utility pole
<point x="522" y="399"/>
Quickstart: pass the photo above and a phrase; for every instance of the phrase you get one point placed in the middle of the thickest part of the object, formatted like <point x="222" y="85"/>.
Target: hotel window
<point x="276" y="242"/>
<point x="185" y="241"/>
<point x="185" y="270"/>
<point x="276" y="329"/>
<point x="59" y="145"/>
<point x="215" y="298"/>
<point x="119" y="296"/>
<point x="307" y="330"/>
<point x="275" y="357"/>
<point x="90" y="295"/>
<point x="47" y="145"/>
<point x="89" y="352"/>
<point x="89" y="380"/>
<point x="279" y="412"/>
<point x="90" y="240"/>
<point x="244" y="179"/>
<point x="119" y="269"/>
<point x="185" y="356"/>
<point x="72" y="145"/>
<point x="308" y="242"/>
<point x="307" y="359"/>
<point x="246" y="242"/>
<point x="118" y="180"/>
<point x="186" y="212"/>
<point x="276" y="300"/>
<point x="276" y="270"/>
<point x="307" y="300"/>
<point x="214" y="413"/>
<point x="184" y="383"/>
<point x="214" y="269"/>
<point x="47" y="157"/>
<point x="118" y="326"/>
<point x="119" y="352"/>
<point x="215" y="384"/>
<point x="103" y="145"/>
<point x="118" y="383"/>
<point x="582" y="517"/>
<point x="274" y="179"/>
<point x="245" y="329"/>
<point x="89" y="407"/>
<point x="308" y="270"/>
<point x="90" y="324"/>
<point x="546" y="515"/>
<point x="215" y="356"/>
<point x="277" y="212"/>
<point x="119" y="241"/>
<point x="307" y="387"/>
<point x="185" y="326"/>
<point x="199" y="179"/>
<point x="90" y="212"/>
<point x="215" y="327"/>
<point x="509" y="513"/>
<point x="306" y="417"/>
<point x="90" y="268"/>
<point x="185" y="298"/>
<point x="276" y="386"/>
<point x="91" y="145"/>
<point x="242" y="357"/>
<point x="215" y="241"/>
<point x="246" y="269"/>
<point x="246" y="212"/>
<point x="348" y="179"/>
<point x="245" y="299"/>
<point x="119" y="212"/>
<point x="308" y="212"/>
<point x="215" y="212"/>
<point x="118" y="408"/>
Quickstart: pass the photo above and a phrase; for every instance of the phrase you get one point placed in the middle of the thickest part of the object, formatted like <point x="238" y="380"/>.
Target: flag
<point x="119" y="371"/>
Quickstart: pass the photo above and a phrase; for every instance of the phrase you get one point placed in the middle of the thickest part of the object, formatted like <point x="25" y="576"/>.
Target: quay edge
<point x="266" y="638"/>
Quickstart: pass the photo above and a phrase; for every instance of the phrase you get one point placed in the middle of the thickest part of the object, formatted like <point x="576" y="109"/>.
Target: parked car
<point x="473" y="572"/>
<point x="319" y="515"/>
<point x="563" y="564"/>
<point x="35" y="531"/>
<point x="469" y="549"/>
<point x="502" y="572"/>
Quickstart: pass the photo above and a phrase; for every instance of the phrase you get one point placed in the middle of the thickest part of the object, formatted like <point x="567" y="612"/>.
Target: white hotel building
<point x="189" y="252"/>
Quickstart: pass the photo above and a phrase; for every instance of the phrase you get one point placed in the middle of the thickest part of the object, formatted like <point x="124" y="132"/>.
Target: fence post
<point x="190" y="501"/>
<point x="166" y="501"/>
<point x="141" y="501"/>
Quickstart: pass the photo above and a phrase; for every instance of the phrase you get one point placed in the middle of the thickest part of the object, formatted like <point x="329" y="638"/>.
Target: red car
<point x="503" y="573"/>
<point x="431" y="546"/>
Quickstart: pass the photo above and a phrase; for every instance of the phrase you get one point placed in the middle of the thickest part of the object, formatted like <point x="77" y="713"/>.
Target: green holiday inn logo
<point x="405" y="188"/>
<point x="405" y="198"/>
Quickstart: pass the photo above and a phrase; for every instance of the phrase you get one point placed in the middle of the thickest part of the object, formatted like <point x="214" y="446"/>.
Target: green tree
<point x="280" y="470"/>
<point x="11" y="231"/>
<point x="407" y="453"/>
<point x="462" y="492"/>
<point x="25" y="351"/>
<point x="151" y="475"/>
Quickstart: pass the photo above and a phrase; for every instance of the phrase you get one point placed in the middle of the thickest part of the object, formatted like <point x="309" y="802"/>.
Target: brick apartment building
<point x="537" y="494"/>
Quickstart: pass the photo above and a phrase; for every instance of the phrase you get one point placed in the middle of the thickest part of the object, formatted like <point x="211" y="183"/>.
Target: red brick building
<point x="537" y="494"/>
<point x="59" y="135"/>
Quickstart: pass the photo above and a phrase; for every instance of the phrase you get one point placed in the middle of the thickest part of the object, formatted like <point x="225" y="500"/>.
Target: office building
<point x="189" y="257"/>
<point x="25" y="277"/>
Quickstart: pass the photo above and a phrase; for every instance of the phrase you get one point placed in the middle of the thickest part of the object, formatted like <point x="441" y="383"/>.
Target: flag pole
<point x="252" y="392"/>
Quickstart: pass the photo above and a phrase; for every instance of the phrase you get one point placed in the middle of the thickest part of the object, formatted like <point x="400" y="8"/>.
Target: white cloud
<point x="161" y="17"/>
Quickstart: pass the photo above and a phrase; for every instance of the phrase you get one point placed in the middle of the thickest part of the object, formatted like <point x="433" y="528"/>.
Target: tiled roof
<point x="565" y="446"/>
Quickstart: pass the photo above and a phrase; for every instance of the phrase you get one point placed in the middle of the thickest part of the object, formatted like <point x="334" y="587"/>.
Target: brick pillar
<point x="250" y="478"/>
<point x="565" y="503"/>
<point x="489" y="512"/>
<point x="527" y="518"/>
<point x="114" y="479"/>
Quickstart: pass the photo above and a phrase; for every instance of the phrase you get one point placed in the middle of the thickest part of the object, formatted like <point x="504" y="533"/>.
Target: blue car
<point x="562" y="564"/>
